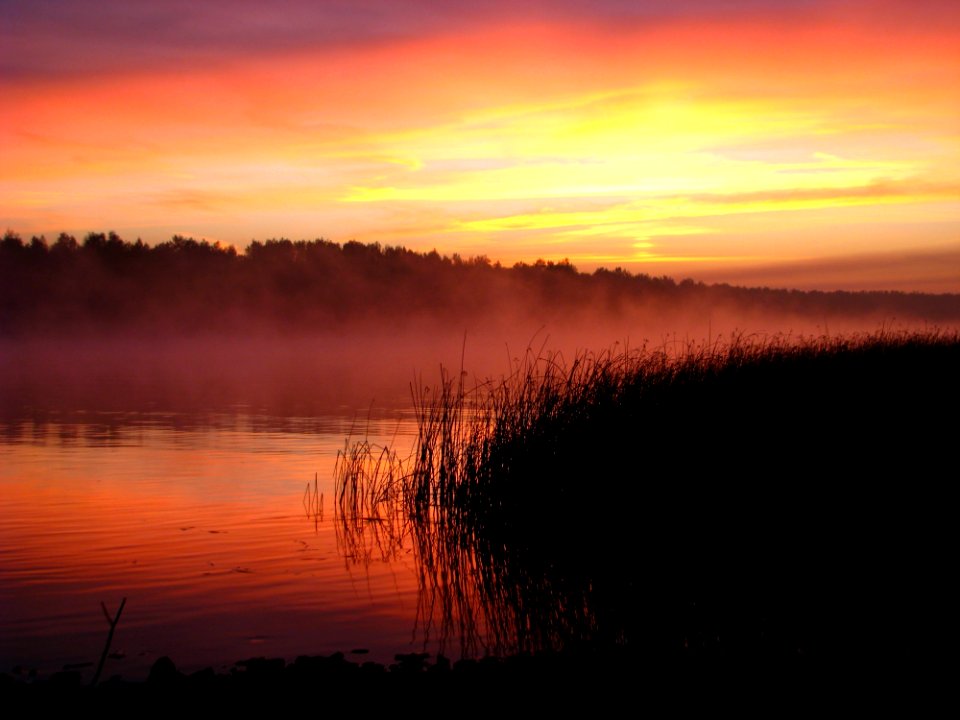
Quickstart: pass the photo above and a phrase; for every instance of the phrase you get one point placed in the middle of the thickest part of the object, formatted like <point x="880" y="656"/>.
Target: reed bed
<point x="719" y="487"/>
<point x="369" y="499"/>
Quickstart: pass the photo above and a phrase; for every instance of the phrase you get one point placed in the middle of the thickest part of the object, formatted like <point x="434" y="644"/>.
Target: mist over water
<point x="297" y="326"/>
<point x="374" y="365"/>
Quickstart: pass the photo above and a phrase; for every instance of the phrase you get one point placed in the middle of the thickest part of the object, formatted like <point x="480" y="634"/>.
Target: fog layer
<point x="303" y="327"/>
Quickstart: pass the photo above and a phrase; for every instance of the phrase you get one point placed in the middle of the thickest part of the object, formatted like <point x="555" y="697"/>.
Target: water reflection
<point x="127" y="428"/>
<point x="198" y="520"/>
<point x="492" y="592"/>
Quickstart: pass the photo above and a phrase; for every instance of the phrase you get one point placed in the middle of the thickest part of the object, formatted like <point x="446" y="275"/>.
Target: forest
<point x="105" y="284"/>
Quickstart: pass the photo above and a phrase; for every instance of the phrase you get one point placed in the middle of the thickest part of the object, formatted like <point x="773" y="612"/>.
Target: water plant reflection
<point x="716" y="499"/>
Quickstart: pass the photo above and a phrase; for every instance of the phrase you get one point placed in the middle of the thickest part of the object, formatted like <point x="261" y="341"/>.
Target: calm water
<point x="198" y="519"/>
<point x="173" y="473"/>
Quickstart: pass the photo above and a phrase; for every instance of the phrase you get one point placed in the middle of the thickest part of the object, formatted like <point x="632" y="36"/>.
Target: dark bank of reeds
<point x="755" y="498"/>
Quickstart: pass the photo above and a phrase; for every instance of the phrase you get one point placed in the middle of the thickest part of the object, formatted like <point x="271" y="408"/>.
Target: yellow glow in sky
<point x="675" y="146"/>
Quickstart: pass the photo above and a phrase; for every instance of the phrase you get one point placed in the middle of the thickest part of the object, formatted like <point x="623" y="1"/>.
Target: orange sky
<point x="805" y="143"/>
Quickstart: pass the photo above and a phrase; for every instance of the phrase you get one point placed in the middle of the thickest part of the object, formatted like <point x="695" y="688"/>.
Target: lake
<point x="133" y="483"/>
<point x="187" y="477"/>
<point x="200" y="522"/>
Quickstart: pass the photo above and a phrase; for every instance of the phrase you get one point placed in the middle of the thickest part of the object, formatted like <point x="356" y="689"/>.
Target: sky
<point x="791" y="143"/>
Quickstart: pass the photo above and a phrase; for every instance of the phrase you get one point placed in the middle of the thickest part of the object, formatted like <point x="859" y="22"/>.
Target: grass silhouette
<point x="754" y="498"/>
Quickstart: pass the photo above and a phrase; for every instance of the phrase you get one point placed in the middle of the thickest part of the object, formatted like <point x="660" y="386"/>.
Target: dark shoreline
<point x="584" y="676"/>
<point x="539" y="680"/>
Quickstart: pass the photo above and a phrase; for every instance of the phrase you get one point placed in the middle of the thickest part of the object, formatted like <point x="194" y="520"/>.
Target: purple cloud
<point x="62" y="38"/>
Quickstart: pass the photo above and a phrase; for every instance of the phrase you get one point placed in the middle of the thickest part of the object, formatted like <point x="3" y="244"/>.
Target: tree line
<point x="106" y="283"/>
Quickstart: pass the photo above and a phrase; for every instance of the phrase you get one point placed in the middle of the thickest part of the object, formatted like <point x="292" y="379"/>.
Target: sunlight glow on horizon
<point x="677" y="144"/>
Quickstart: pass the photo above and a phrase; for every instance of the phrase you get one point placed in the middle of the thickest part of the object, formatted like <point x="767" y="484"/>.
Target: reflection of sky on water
<point x="199" y="521"/>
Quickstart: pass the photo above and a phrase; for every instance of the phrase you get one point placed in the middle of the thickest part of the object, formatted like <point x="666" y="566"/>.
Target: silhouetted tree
<point x="190" y="284"/>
